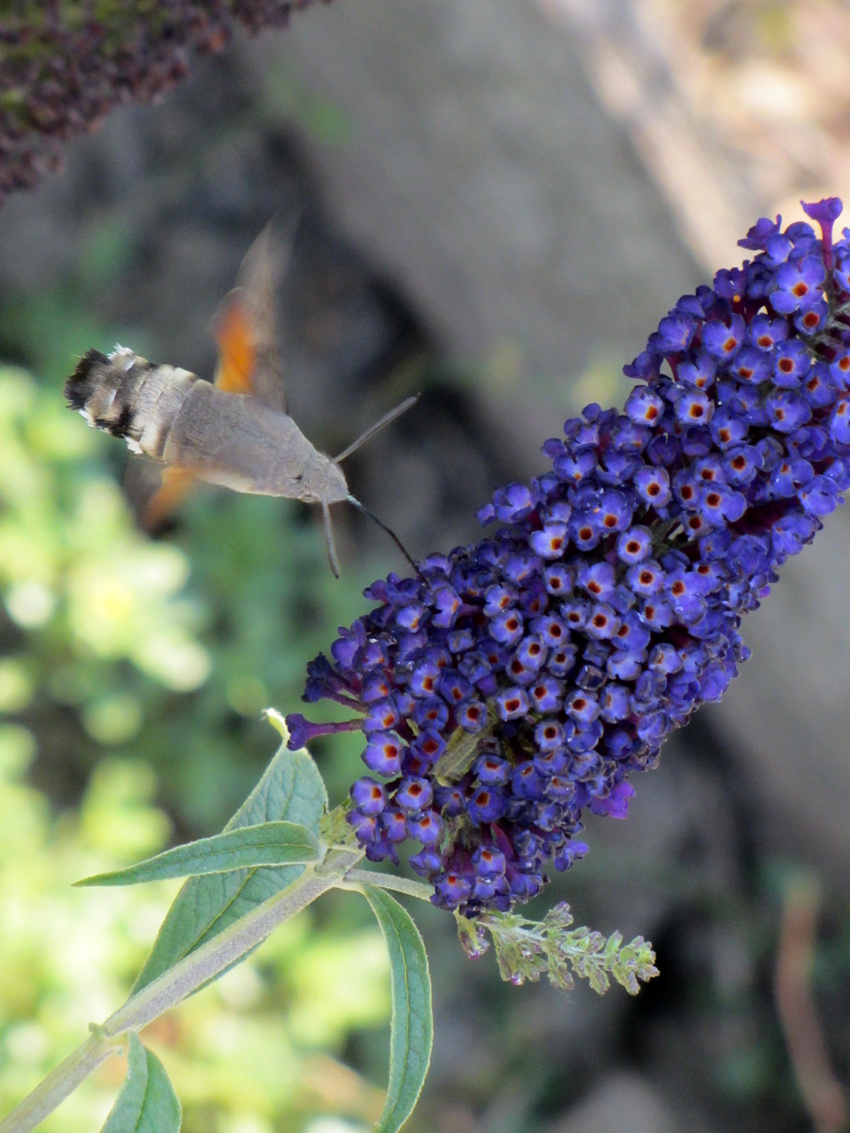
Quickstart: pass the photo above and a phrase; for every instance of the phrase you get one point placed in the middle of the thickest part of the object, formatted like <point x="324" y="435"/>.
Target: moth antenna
<point x="370" y="432"/>
<point x="329" y="539"/>
<point x="389" y="531"/>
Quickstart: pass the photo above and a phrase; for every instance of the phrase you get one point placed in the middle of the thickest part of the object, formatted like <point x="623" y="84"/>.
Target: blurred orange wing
<point x="237" y="356"/>
<point x="175" y="485"/>
<point x="236" y="338"/>
<point x="246" y="328"/>
<point x="234" y="335"/>
<point x="249" y="360"/>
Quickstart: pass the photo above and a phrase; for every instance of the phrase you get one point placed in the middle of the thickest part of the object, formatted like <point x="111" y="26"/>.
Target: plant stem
<point x="59" y="1083"/>
<point x="357" y="877"/>
<point x="227" y="947"/>
<point x="185" y="977"/>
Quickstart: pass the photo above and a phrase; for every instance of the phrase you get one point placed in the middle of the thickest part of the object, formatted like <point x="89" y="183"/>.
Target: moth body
<point x="179" y="419"/>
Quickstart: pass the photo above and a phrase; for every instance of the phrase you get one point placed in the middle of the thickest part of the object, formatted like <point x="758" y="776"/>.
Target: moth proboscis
<point x="234" y="432"/>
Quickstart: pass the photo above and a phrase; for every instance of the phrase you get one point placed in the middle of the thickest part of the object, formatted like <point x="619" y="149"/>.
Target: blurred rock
<point x="625" y="1101"/>
<point x="474" y="166"/>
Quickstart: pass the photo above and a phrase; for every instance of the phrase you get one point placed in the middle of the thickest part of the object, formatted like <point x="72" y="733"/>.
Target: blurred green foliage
<point x="167" y="649"/>
<point x="258" y="1050"/>
<point x="133" y="673"/>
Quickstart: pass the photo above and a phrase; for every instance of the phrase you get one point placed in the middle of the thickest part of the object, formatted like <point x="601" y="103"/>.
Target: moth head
<point x="320" y="480"/>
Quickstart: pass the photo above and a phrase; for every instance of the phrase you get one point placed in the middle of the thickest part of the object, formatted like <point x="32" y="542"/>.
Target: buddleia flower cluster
<point x="520" y="682"/>
<point x="64" y="65"/>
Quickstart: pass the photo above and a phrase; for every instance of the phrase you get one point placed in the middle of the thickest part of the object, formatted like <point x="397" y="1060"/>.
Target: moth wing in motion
<point x="245" y="332"/>
<point x="246" y="329"/>
<point x="175" y="484"/>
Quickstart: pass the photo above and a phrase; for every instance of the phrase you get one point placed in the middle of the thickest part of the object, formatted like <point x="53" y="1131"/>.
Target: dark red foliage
<point x="60" y="74"/>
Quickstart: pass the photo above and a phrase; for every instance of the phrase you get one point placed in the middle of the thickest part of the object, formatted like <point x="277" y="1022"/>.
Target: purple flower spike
<point x="558" y="654"/>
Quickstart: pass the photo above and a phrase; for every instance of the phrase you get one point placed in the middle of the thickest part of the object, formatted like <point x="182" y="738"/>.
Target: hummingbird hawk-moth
<point x="234" y="432"/>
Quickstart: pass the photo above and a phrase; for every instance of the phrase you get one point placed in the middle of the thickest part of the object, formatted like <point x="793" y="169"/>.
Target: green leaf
<point x="290" y="790"/>
<point x="147" y="1102"/>
<point x="462" y="749"/>
<point x="269" y="843"/>
<point x="412" y="1025"/>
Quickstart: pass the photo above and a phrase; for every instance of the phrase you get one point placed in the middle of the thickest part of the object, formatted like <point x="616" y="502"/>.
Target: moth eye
<point x="299" y="477"/>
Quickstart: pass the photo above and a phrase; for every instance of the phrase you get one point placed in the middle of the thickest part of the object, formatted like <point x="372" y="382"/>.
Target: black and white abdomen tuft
<point x="129" y="397"/>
